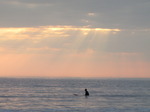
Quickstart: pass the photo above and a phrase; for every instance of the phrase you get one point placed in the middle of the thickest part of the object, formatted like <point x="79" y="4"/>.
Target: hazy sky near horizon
<point x="74" y="38"/>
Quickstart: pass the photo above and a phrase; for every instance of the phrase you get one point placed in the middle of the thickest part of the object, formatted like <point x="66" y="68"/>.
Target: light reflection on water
<point x="57" y="95"/>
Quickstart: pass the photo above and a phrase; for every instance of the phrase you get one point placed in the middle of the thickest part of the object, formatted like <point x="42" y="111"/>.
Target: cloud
<point x="101" y="13"/>
<point x="130" y="41"/>
<point x="70" y="39"/>
<point x="75" y="37"/>
<point x="47" y="39"/>
<point x="74" y="51"/>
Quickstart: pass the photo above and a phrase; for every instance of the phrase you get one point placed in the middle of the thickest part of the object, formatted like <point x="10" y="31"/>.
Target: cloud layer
<point x="96" y="13"/>
<point x="75" y="38"/>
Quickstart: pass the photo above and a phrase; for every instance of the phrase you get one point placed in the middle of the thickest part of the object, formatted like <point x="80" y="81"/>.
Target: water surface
<point x="57" y="95"/>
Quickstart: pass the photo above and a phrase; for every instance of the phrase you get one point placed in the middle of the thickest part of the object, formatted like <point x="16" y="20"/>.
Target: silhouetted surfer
<point x="86" y="93"/>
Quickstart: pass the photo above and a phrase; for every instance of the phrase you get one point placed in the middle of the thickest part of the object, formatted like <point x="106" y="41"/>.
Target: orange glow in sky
<point x="66" y="51"/>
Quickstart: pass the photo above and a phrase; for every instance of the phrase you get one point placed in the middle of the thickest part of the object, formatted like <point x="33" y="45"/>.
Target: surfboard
<point x="75" y="94"/>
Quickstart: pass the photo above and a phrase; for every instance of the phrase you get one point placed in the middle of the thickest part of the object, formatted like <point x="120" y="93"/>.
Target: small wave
<point x="124" y="95"/>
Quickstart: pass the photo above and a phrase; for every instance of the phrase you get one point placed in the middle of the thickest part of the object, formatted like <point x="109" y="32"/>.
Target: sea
<point x="67" y="95"/>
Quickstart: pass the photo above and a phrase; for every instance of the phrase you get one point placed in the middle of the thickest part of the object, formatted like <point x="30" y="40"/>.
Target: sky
<point x="75" y="38"/>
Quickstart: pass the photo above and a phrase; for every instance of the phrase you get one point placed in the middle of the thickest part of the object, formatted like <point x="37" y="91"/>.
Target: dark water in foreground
<point x="56" y="95"/>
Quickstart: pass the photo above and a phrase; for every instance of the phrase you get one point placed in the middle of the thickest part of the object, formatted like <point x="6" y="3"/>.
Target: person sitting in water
<point x="86" y="93"/>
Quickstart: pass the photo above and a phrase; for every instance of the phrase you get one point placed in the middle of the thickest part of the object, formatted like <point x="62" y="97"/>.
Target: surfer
<point x="86" y="92"/>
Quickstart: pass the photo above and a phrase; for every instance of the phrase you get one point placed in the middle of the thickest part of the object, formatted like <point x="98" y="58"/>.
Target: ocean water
<point x="57" y="95"/>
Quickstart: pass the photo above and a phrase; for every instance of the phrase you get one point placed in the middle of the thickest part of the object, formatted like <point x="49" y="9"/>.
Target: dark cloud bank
<point x="109" y="13"/>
